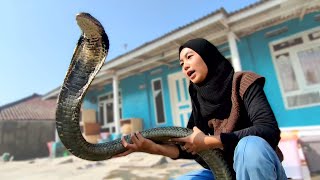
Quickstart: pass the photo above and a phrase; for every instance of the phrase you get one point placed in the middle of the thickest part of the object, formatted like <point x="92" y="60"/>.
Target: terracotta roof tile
<point x="30" y="108"/>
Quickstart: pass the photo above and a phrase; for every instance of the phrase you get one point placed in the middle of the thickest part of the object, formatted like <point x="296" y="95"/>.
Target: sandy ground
<point x="136" y="166"/>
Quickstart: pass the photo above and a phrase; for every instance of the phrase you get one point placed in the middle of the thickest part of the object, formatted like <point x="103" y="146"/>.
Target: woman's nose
<point x="186" y="66"/>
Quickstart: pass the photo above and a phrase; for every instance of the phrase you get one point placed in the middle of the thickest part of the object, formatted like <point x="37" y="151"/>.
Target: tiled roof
<point x="29" y="108"/>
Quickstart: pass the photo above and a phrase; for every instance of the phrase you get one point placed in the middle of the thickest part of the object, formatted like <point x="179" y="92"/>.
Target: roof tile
<point x="30" y="108"/>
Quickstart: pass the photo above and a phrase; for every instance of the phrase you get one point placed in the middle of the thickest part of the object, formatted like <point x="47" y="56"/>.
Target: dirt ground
<point x="137" y="166"/>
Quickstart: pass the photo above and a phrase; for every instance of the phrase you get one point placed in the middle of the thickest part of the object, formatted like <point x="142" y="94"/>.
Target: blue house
<point x="277" y="39"/>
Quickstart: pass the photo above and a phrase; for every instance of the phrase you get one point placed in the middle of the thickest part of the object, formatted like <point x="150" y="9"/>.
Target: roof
<point x="215" y="12"/>
<point x="29" y="108"/>
<point x="52" y="94"/>
<point x="220" y="10"/>
<point x="214" y="27"/>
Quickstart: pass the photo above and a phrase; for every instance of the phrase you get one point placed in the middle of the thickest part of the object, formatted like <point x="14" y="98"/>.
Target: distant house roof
<point x="29" y="108"/>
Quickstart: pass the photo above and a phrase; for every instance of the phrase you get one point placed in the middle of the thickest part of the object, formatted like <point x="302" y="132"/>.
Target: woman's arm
<point x="141" y="144"/>
<point x="198" y="141"/>
<point x="168" y="150"/>
<point x="261" y="116"/>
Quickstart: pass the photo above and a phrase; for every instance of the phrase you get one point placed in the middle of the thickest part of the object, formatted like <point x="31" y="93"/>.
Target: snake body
<point x="87" y="60"/>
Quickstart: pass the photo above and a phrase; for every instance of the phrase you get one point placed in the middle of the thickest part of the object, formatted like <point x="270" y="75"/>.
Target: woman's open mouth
<point x="191" y="74"/>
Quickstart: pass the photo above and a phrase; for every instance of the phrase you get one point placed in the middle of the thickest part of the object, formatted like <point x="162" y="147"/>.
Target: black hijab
<point x="211" y="99"/>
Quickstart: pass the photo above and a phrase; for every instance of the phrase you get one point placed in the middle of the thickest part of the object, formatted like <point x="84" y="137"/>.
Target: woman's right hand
<point x="139" y="144"/>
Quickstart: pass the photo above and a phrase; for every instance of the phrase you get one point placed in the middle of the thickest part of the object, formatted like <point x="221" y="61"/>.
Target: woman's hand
<point x="139" y="144"/>
<point x="198" y="141"/>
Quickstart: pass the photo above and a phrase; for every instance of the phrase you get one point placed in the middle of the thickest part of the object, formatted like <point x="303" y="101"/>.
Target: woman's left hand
<point x="193" y="143"/>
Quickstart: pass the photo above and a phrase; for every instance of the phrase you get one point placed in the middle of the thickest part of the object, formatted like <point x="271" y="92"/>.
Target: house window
<point x="106" y="116"/>
<point x="158" y="101"/>
<point x="297" y="63"/>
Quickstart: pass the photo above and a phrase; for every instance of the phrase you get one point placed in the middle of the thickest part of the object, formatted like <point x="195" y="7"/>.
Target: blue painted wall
<point x="255" y="55"/>
<point x="138" y="102"/>
<point x="135" y="99"/>
<point x="141" y="104"/>
<point x="91" y="98"/>
<point x="163" y="75"/>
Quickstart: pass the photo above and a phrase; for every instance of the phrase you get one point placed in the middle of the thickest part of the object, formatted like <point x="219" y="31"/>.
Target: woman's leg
<point x="203" y="174"/>
<point x="255" y="159"/>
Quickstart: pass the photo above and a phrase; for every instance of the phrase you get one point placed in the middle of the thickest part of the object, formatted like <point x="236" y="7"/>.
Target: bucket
<point x="5" y="157"/>
<point x="291" y="162"/>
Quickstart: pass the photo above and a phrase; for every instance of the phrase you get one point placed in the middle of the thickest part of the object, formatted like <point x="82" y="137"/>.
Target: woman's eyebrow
<point x="185" y="55"/>
<point x="188" y="52"/>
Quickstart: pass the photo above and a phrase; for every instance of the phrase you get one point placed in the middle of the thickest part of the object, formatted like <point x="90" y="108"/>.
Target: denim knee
<point x="252" y="150"/>
<point x="202" y="174"/>
<point x="254" y="158"/>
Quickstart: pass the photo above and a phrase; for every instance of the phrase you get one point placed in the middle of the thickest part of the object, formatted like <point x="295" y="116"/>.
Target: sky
<point x="37" y="38"/>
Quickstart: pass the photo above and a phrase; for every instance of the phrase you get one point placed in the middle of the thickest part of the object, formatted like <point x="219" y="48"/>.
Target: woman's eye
<point x="188" y="57"/>
<point x="181" y="64"/>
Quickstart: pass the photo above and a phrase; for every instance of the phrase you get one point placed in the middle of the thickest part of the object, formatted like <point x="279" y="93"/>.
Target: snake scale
<point x="88" y="58"/>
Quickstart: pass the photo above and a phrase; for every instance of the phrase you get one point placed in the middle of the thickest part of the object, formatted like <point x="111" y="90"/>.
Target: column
<point x="116" y="114"/>
<point x="235" y="58"/>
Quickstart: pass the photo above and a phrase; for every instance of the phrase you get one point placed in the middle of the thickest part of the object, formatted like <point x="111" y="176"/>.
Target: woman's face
<point x="193" y="65"/>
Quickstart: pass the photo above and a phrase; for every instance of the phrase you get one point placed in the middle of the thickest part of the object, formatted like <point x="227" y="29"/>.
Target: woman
<point x="229" y="111"/>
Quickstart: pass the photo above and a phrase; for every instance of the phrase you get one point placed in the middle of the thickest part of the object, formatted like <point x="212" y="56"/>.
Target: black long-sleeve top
<point x="256" y="118"/>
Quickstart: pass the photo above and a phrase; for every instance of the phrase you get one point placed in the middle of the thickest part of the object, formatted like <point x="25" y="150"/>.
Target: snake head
<point x="91" y="27"/>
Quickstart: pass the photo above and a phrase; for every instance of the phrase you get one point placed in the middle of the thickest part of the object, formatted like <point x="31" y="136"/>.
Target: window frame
<point x="104" y="120"/>
<point x="154" y="102"/>
<point x="303" y="88"/>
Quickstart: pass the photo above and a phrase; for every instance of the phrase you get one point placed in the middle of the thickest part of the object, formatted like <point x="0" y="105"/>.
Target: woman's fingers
<point x="196" y="129"/>
<point x="183" y="139"/>
<point x="185" y="147"/>
<point x="135" y="139"/>
<point x="138" y="143"/>
<point x="127" y="145"/>
<point x="123" y="154"/>
<point x="124" y="142"/>
<point x="139" y="136"/>
<point x="189" y="150"/>
<point x="188" y="147"/>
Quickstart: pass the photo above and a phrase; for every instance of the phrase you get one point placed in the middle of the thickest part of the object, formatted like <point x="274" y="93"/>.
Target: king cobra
<point x="88" y="58"/>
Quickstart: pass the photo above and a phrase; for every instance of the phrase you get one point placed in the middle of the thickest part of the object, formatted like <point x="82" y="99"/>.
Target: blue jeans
<point x="254" y="159"/>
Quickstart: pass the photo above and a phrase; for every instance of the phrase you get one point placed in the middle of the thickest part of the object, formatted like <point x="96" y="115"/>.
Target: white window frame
<point x="110" y="125"/>
<point x="154" y="102"/>
<point x="292" y="51"/>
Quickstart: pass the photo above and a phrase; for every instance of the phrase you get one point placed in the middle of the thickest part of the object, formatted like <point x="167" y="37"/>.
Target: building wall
<point x="91" y="98"/>
<point x="255" y="56"/>
<point x="164" y="71"/>
<point x="137" y="97"/>
<point x="26" y="139"/>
